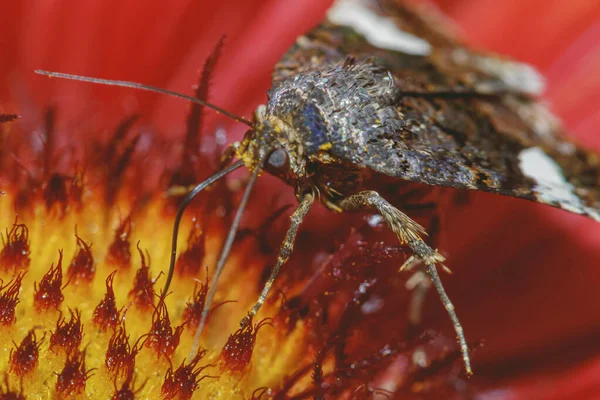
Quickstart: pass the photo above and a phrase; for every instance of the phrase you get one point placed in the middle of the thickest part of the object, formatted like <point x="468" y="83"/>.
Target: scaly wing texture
<point x="468" y="119"/>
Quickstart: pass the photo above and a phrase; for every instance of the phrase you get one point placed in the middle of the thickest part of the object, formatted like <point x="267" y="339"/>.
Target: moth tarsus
<point x="342" y="112"/>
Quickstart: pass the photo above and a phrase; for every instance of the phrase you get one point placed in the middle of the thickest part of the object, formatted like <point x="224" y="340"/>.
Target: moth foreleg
<point x="285" y="251"/>
<point x="409" y="232"/>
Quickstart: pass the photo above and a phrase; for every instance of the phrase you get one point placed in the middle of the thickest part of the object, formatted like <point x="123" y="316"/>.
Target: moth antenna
<point x="223" y="257"/>
<point x="148" y="88"/>
<point x="186" y="201"/>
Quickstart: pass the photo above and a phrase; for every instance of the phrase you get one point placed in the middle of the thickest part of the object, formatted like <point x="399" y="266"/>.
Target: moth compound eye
<point x="278" y="161"/>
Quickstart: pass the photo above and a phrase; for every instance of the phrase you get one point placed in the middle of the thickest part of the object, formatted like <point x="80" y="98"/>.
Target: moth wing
<point x="468" y="119"/>
<point x="414" y="38"/>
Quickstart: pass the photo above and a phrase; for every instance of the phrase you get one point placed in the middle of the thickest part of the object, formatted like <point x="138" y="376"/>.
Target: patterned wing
<point x="467" y="119"/>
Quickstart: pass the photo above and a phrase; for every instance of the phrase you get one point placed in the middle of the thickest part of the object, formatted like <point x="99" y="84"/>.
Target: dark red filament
<point x="106" y="314"/>
<point x="15" y="251"/>
<point x="181" y="383"/>
<point x="76" y="190"/>
<point x="190" y="261"/>
<point x="261" y="233"/>
<point x="120" y="356"/>
<point x="162" y="338"/>
<point x="192" y="162"/>
<point x="237" y="352"/>
<point x="9" y="298"/>
<point x="127" y="390"/>
<point x="56" y="195"/>
<point x="82" y="268"/>
<point x="119" y="253"/>
<point x="193" y="310"/>
<point x="48" y="294"/>
<point x="68" y="335"/>
<point x="24" y="358"/>
<point x="115" y="157"/>
<point x="72" y="379"/>
<point x="142" y="293"/>
<point x="49" y="141"/>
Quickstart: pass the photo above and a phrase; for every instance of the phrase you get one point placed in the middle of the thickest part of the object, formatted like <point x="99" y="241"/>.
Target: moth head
<point x="274" y="146"/>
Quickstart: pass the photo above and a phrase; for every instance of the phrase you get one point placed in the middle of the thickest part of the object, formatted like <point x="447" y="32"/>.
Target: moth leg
<point x="285" y="251"/>
<point x="409" y="232"/>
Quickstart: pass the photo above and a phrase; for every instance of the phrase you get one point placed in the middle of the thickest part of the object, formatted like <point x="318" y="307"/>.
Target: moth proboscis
<point x="377" y="90"/>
